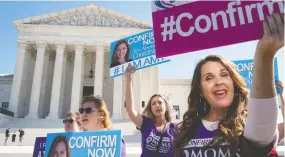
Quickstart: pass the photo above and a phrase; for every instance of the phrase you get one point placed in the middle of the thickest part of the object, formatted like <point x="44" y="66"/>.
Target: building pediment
<point x="90" y="15"/>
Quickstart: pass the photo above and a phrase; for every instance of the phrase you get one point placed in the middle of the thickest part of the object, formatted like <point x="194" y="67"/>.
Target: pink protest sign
<point x="207" y="24"/>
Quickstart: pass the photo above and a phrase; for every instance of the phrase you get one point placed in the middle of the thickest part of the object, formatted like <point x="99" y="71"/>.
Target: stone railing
<point x="6" y="112"/>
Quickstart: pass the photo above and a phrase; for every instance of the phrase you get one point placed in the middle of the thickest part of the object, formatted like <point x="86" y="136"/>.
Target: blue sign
<point x="245" y="69"/>
<point x="84" y="144"/>
<point x="136" y="50"/>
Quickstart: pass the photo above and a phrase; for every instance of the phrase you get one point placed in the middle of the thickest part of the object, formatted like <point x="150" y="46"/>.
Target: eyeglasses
<point x="68" y="121"/>
<point x="87" y="110"/>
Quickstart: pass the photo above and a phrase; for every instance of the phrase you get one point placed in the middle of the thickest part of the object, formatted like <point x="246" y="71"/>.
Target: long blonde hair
<point x="148" y="113"/>
<point x="100" y="104"/>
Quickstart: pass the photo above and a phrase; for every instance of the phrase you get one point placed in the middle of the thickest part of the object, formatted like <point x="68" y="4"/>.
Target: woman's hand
<point x="273" y="37"/>
<point x="129" y="72"/>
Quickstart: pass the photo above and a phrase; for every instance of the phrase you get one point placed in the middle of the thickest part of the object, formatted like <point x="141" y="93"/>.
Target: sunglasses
<point x="68" y="121"/>
<point x="87" y="110"/>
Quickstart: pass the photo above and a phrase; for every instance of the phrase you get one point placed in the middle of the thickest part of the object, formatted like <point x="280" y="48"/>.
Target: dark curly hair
<point x="231" y="126"/>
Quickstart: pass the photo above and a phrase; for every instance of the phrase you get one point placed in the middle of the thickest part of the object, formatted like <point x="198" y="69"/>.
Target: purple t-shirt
<point x="197" y="146"/>
<point x="151" y="137"/>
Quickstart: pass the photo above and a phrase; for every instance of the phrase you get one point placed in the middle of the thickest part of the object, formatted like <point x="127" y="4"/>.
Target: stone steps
<point x="40" y="127"/>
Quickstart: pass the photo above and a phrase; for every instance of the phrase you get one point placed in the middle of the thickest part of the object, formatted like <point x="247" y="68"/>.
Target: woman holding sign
<point x="221" y="119"/>
<point x="121" y="53"/>
<point x="154" y="124"/>
<point x="95" y="116"/>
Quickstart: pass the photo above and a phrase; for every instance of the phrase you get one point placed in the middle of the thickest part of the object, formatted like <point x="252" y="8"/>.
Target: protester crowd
<point x="222" y="117"/>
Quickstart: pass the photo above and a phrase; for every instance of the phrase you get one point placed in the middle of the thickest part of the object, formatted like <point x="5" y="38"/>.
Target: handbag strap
<point x="160" y="140"/>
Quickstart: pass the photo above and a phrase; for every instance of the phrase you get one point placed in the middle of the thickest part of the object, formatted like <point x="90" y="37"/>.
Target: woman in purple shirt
<point x="222" y="120"/>
<point x="154" y="124"/>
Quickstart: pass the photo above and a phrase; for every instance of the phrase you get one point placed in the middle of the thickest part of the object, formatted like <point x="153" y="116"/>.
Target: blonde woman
<point x="154" y="123"/>
<point x="95" y="116"/>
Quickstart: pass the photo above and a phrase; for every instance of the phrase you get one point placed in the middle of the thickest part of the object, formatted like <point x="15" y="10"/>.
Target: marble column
<point x="24" y="100"/>
<point x="117" y="98"/>
<point x="56" y="84"/>
<point x="45" y="87"/>
<point x="68" y="82"/>
<point x="37" y="79"/>
<point x="17" y="78"/>
<point x="62" y="112"/>
<point x="76" y="93"/>
<point x="99" y="70"/>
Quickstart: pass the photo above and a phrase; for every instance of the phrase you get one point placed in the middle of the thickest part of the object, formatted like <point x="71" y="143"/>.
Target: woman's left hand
<point x="273" y="37"/>
<point x="280" y="86"/>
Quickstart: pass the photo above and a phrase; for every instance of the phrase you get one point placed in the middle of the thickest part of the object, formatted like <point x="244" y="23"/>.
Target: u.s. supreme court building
<point x="63" y="56"/>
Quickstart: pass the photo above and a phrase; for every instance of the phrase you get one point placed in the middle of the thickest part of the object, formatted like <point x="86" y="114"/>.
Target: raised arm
<point x="133" y="114"/>
<point x="261" y="125"/>
<point x="263" y="85"/>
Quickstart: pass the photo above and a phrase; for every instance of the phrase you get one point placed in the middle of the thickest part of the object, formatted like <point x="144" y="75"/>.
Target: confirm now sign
<point x="181" y="27"/>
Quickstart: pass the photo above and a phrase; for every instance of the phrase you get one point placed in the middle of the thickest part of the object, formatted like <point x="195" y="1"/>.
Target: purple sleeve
<point x="146" y="122"/>
<point x="123" y="149"/>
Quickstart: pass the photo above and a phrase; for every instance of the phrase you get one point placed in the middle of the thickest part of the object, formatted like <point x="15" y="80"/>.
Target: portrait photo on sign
<point x="121" y="53"/>
<point x="59" y="147"/>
